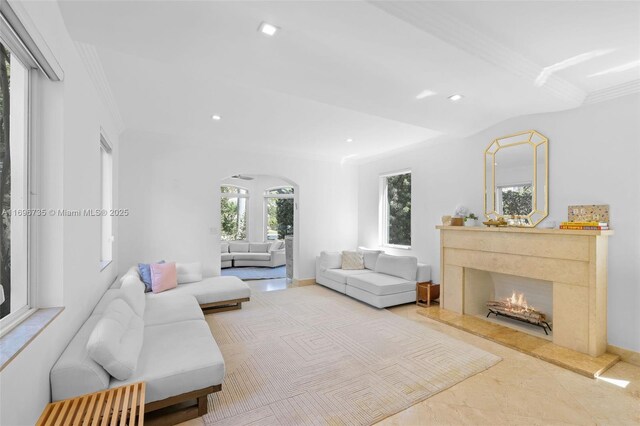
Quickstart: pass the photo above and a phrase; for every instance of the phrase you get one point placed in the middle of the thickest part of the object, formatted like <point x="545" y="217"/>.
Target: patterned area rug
<point x="310" y="355"/>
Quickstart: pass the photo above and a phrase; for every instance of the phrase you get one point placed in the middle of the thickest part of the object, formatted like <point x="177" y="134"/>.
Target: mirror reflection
<point x="516" y="176"/>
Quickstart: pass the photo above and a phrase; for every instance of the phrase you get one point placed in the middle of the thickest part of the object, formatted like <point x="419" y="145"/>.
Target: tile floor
<point x="520" y="390"/>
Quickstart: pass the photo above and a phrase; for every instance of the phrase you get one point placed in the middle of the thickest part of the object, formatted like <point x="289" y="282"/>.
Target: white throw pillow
<point x="116" y="340"/>
<point x="224" y="247"/>
<point x="398" y="266"/>
<point x="331" y="259"/>
<point x="259" y="247"/>
<point x="238" y="247"/>
<point x="352" y="260"/>
<point x="189" y="272"/>
<point x="370" y="257"/>
<point x="133" y="293"/>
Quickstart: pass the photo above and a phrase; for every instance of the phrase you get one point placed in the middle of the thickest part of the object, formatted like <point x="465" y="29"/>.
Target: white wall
<point x="593" y="159"/>
<point x="171" y="187"/>
<point x="67" y="144"/>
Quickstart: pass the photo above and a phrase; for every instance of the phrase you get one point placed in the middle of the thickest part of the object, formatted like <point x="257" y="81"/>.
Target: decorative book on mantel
<point x="588" y="218"/>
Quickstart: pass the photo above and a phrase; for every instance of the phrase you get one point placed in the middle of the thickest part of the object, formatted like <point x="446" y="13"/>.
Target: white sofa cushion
<point x="210" y="290"/>
<point x="277" y="245"/>
<point x="370" y="257"/>
<point x="238" y="247"/>
<point x="224" y="247"/>
<point x="131" y="291"/>
<point x="330" y="260"/>
<point x="352" y="260"/>
<point x="116" y="340"/>
<point x="341" y="275"/>
<point x="259" y="247"/>
<point x="76" y="373"/>
<point x="381" y="301"/>
<point x="133" y="271"/>
<point x="398" y="266"/>
<point x="189" y="272"/>
<point x="424" y="273"/>
<point x="226" y="257"/>
<point x="380" y="284"/>
<point x="252" y="256"/>
<point x="177" y="358"/>
<point x="167" y="310"/>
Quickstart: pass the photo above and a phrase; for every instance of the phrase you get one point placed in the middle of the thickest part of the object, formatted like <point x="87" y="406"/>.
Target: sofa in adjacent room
<point x="380" y="280"/>
<point x="162" y="339"/>
<point x="246" y="253"/>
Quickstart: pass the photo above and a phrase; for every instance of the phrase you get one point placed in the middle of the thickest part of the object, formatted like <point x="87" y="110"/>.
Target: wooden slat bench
<point x="123" y="405"/>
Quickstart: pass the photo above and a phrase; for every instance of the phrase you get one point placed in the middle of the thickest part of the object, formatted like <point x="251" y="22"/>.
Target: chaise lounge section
<point x="179" y="360"/>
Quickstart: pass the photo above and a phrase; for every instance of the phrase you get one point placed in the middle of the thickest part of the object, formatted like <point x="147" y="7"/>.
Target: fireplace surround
<point x="574" y="262"/>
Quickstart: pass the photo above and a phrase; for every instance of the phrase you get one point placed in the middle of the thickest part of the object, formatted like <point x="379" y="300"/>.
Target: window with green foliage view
<point x="13" y="186"/>
<point x="279" y="208"/>
<point x="233" y="213"/>
<point x="396" y="210"/>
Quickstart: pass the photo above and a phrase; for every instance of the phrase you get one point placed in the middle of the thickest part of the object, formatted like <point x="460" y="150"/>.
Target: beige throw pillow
<point x="352" y="260"/>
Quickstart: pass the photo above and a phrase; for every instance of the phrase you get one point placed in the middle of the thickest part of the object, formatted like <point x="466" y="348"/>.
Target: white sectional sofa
<point x="384" y="281"/>
<point x="179" y="360"/>
<point x="245" y="253"/>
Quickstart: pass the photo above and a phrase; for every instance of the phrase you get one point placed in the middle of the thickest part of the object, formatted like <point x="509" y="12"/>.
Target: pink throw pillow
<point x="163" y="276"/>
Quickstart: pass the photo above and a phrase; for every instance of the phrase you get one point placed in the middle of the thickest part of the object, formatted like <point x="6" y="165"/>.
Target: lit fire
<point x="517" y="303"/>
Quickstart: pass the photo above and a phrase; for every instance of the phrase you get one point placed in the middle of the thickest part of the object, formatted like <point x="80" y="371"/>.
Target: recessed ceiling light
<point x="425" y="94"/>
<point x="216" y="117"/>
<point x="455" y="98"/>
<point x="349" y="140"/>
<point x="268" y="29"/>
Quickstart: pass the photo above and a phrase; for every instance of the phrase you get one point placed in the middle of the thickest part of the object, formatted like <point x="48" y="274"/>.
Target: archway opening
<point x="258" y="227"/>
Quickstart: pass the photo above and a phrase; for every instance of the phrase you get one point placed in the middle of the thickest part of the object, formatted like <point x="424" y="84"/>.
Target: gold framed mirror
<point x="516" y="179"/>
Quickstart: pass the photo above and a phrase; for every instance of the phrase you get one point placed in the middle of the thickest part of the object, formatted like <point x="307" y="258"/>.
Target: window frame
<point x="383" y="206"/>
<point x="106" y="149"/>
<point x="11" y="42"/>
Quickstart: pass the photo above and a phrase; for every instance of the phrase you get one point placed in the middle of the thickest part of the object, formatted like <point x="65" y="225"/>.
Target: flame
<point x="518" y="303"/>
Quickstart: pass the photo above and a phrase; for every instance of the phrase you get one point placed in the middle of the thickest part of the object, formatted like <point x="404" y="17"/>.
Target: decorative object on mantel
<point x="446" y="220"/>
<point x="516" y="178"/>
<point x="457" y="221"/>
<point x="587" y="218"/>
<point x="496" y="222"/>
<point x="471" y="220"/>
<point x="459" y="216"/>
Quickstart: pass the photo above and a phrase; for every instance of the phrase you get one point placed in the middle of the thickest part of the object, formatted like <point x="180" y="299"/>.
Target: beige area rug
<point x="310" y="355"/>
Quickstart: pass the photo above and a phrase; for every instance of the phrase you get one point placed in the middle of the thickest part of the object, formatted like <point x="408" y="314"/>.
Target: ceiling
<point x="348" y="69"/>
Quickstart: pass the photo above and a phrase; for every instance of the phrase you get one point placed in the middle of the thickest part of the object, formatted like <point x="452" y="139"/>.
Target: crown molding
<point x="429" y="18"/>
<point x="613" y="92"/>
<point x="93" y="65"/>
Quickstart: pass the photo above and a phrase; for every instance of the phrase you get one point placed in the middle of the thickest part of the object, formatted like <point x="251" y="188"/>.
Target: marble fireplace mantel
<point x="575" y="262"/>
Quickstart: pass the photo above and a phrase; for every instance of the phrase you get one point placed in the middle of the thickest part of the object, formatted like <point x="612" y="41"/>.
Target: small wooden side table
<point x="427" y="293"/>
<point x="118" y="406"/>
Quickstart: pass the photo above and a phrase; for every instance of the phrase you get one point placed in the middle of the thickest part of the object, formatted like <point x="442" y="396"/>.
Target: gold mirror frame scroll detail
<point x="537" y="141"/>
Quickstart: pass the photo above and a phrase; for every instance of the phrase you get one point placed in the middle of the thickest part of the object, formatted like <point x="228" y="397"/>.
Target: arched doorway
<point x="259" y="220"/>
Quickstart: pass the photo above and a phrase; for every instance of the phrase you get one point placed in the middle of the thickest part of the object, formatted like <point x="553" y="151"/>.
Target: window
<point x="233" y="212"/>
<point x="515" y="199"/>
<point x="278" y="205"/>
<point x="14" y="120"/>
<point x="106" y="191"/>
<point x="395" y="209"/>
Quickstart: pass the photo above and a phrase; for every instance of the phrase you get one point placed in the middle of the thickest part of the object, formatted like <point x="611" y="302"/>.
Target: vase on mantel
<point x="471" y="222"/>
